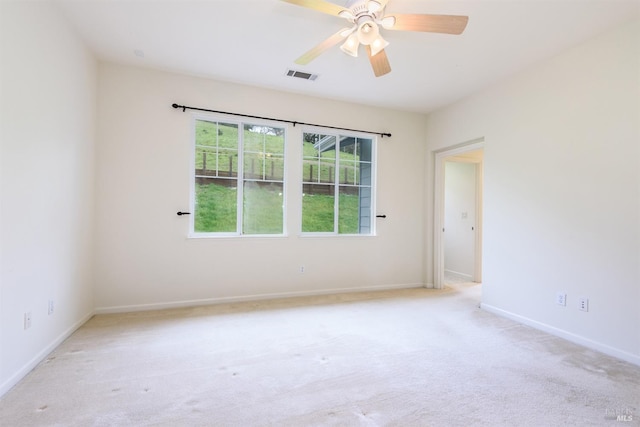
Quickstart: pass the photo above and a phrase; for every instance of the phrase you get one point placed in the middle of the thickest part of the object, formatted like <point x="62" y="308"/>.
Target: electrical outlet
<point x="50" y="307"/>
<point x="302" y="269"/>
<point x="561" y="299"/>
<point x="27" y="320"/>
<point x="583" y="304"/>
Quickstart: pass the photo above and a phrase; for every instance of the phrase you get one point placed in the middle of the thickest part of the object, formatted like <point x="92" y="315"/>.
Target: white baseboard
<point x="28" y="367"/>
<point x="255" y="297"/>
<point x="577" y="339"/>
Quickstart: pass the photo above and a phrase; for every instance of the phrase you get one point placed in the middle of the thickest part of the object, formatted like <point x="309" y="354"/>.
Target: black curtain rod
<point x="184" y="108"/>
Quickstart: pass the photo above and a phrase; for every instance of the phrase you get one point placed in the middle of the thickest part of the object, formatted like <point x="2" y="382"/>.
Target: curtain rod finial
<point x="184" y="107"/>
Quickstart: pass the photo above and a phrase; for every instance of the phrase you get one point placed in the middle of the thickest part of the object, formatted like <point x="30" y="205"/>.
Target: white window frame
<point x="240" y="178"/>
<point x="374" y="168"/>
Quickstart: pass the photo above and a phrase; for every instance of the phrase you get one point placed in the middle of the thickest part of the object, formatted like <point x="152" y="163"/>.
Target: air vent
<point x="302" y="75"/>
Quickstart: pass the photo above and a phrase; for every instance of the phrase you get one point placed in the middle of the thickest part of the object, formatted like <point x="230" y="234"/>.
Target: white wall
<point x="47" y="108"/>
<point x="561" y="190"/>
<point x="459" y="218"/>
<point x="144" y="258"/>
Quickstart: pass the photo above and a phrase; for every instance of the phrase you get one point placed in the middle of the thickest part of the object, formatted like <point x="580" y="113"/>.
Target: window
<point x="337" y="184"/>
<point x="238" y="178"/>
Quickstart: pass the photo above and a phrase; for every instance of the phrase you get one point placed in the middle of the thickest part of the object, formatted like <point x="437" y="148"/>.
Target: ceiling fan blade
<point x="319" y="5"/>
<point x="447" y="24"/>
<point x="327" y="44"/>
<point x="379" y="62"/>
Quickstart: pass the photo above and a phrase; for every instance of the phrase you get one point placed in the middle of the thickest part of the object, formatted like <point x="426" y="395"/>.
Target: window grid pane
<point x="215" y="206"/>
<point x="262" y="207"/>
<point x="216" y="149"/>
<point x="348" y="210"/>
<point x="318" y="208"/>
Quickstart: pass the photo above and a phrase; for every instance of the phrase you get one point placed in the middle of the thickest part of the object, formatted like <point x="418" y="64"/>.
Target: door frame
<point x="438" y="211"/>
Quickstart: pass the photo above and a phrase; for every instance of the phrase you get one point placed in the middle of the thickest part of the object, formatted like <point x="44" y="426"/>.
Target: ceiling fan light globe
<point x="350" y="47"/>
<point x="368" y="32"/>
<point x="378" y="45"/>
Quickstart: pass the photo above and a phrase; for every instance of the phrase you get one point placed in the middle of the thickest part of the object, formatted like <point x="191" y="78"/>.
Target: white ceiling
<point x="255" y="41"/>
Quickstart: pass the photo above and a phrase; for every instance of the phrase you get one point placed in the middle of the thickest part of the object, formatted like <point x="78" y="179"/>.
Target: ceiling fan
<point x="366" y="17"/>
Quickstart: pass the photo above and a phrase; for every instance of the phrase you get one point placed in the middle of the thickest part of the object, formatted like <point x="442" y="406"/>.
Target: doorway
<point x="458" y="214"/>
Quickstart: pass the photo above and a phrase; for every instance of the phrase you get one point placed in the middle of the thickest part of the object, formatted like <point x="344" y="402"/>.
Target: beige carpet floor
<point x="399" y="358"/>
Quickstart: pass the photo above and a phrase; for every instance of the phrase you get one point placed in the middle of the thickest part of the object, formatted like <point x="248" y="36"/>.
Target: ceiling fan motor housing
<point x="359" y="8"/>
<point x="368" y="30"/>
